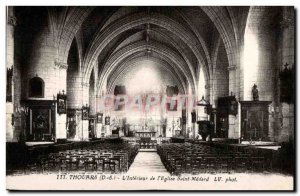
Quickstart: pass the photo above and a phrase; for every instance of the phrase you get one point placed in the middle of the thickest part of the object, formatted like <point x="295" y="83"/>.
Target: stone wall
<point x="39" y="44"/>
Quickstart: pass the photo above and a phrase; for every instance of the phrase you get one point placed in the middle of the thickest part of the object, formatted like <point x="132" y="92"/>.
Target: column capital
<point x="60" y="64"/>
<point x="207" y="86"/>
<point x="12" y="20"/>
<point x="85" y="84"/>
<point x="231" y="67"/>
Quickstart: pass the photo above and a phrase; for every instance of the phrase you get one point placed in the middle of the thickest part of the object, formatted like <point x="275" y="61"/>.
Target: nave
<point x="120" y="156"/>
<point x="171" y="165"/>
<point x="148" y="162"/>
<point x="192" y="90"/>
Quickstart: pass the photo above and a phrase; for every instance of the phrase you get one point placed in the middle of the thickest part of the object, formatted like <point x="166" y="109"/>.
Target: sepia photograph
<point x="151" y="98"/>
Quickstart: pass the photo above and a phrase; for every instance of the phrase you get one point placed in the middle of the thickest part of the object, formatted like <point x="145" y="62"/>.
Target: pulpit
<point x="205" y="129"/>
<point x="254" y="120"/>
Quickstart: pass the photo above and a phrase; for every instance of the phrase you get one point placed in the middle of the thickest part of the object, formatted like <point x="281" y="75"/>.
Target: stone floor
<point x="148" y="173"/>
<point x="147" y="163"/>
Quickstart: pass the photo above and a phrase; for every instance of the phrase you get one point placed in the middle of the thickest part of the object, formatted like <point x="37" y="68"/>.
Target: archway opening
<point x="148" y="85"/>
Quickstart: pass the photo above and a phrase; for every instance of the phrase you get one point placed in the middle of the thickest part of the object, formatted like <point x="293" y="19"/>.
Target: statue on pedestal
<point x="255" y="95"/>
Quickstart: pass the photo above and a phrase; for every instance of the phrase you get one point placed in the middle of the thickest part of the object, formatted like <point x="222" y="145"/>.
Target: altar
<point x="145" y="134"/>
<point x="255" y="120"/>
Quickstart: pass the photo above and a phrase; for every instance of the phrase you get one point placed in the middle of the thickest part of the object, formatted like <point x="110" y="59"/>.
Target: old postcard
<point x="150" y="98"/>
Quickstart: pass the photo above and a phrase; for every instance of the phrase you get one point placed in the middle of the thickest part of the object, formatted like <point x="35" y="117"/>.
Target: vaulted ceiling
<point x="183" y="39"/>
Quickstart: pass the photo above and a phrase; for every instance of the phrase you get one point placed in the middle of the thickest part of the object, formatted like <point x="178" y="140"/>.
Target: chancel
<point x="176" y="90"/>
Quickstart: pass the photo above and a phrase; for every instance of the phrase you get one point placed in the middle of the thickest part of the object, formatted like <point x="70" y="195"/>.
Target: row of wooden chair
<point x="182" y="158"/>
<point x="152" y="144"/>
<point x="113" y="160"/>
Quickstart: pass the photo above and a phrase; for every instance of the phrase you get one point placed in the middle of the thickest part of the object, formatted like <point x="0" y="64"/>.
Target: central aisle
<point x="147" y="163"/>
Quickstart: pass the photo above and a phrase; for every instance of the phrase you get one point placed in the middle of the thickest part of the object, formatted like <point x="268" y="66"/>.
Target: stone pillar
<point x="79" y="126"/>
<point x="234" y="131"/>
<point x="85" y="101"/>
<point x="190" y="107"/>
<point x="92" y="103"/>
<point x="286" y="114"/>
<point x="61" y="119"/>
<point x="191" y="125"/>
<point x="183" y="125"/>
<point x="42" y="62"/>
<point x="74" y="100"/>
<point x="10" y="119"/>
<point x="92" y="100"/>
<point x="99" y="130"/>
<point x="107" y="129"/>
<point x="196" y="129"/>
<point x="99" y="124"/>
<point x="102" y="95"/>
<point x="261" y="58"/>
<point x="172" y="117"/>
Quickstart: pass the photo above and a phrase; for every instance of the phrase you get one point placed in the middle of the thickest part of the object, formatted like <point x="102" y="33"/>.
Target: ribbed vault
<point x="181" y="39"/>
<point x="137" y="60"/>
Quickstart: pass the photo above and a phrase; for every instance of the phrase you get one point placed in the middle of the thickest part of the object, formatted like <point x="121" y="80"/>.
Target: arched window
<point x="36" y="87"/>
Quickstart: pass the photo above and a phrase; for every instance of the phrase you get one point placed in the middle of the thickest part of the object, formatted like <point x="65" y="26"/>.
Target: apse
<point x="146" y="77"/>
<point x="142" y="79"/>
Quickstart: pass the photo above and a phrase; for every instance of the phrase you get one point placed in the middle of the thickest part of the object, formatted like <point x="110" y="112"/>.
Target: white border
<point x="4" y="3"/>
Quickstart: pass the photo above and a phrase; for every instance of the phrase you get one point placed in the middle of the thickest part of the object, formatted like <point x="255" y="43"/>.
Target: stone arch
<point x="133" y="62"/>
<point x="73" y="76"/>
<point x="36" y="87"/>
<point x="126" y="23"/>
<point x="201" y="40"/>
<point x="220" y="77"/>
<point x="175" y="46"/>
<point x="261" y="36"/>
<point x="72" y="23"/>
<point x="223" y="23"/>
<point x="143" y="46"/>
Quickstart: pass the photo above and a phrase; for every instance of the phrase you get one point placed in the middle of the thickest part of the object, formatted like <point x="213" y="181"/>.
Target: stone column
<point x="286" y="116"/>
<point x="92" y="101"/>
<point x="99" y="125"/>
<point x="61" y="119"/>
<point x="191" y="126"/>
<point x="233" y="121"/>
<point x="183" y="125"/>
<point x="85" y="101"/>
<point x="74" y="100"/>
<point x="11" y="118"/>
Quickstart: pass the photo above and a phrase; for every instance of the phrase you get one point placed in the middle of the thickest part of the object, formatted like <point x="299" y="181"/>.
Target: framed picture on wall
<point x="107" y="120"/>
<point x="99" y="117"/>
<point x="61" y="103"/>
<point x="233" y="105"/>
<point x="172" y="106"/>
<point x="85" y="112"/>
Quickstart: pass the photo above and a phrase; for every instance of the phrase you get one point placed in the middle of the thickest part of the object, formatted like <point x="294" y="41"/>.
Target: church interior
<point x="100" y="89"/>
